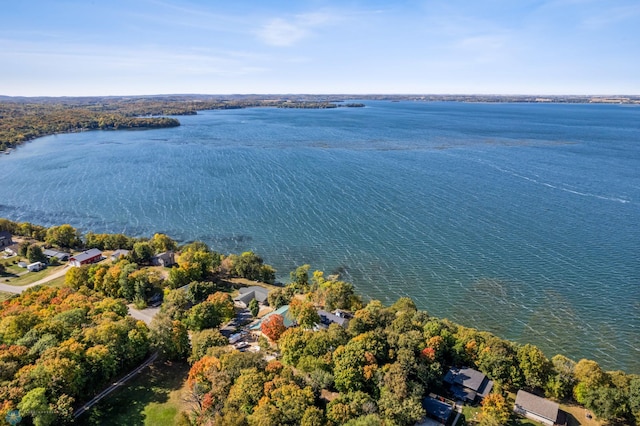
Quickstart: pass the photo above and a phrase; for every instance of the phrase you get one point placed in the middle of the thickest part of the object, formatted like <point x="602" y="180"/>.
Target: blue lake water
<point x="521" y="219"/>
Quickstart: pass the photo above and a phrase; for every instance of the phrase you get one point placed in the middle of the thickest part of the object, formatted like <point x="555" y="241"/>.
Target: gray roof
<point x="327" y="318"/>
<point x="5" y="234"/>
<point x="536" y="405"/>
<point x="260" y="293"/>
<point x="120" y="252"/>
<point x="472" y="381"/>
<point x="55" y="253"/>
<point x="467" y="377"/>
<point x="245" y="298"/>
<point x="80" y="257"/>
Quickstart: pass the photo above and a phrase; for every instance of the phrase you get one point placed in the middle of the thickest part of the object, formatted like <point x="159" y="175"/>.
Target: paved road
<point x="17" y="289"/>
<point x="114" y="386"/>
<point x="145" y="315"/>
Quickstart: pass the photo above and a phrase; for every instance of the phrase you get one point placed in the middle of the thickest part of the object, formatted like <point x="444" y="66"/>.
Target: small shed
<point x="35" y="266"/>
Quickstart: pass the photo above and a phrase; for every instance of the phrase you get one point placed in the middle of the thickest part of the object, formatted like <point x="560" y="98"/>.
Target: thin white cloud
<point x="287" y="32"/>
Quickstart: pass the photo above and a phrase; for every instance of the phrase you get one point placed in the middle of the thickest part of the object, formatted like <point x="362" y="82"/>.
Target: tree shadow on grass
<point x="125" y="406"/>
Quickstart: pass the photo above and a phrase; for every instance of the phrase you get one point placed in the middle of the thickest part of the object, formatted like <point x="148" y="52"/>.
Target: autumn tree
<point x="273" y="327"/>
<point x="304" y="313"/>
<point x="495" y="410"/>
<point x="162" y="243"/>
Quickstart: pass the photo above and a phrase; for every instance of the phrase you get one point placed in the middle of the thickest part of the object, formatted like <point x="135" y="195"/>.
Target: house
<point x="327" y="318"/>
<point x="283" y="310"/>
<point x="247" y="294"/>
<point x="22" y="264"/>
<point x="12" y="250"/>
<point x="60" y="255"/>
<point x="118" y="253"/>
<point x="5" y="239"/>
<point x="467" y="384"/>
<point x="35" y="266"/>
<point x="165" y="259"/>
<point x="89" y="256"/>
<point x="539" y="409"/>
<point x="437" y="409"/>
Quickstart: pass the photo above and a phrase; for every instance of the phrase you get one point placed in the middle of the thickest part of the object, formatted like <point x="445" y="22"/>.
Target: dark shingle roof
<point x="437" y="409"/>
<point x="467" y="377"/>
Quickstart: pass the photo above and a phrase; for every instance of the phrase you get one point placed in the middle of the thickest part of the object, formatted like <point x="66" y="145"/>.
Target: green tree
<point x="562" y="381"/>
<point x="35" y="254"/>
<point x="304" y="313"/>
<point x="534" y="365"/>
<point x="36" y="403"/>
<point x="169" y="337"/>
<point x="199" y="291"/>
<point x="278" y="297"/>
<point x="254" y="307"/>
<point x="162" y="243"/>
<point x="63" y="236"/>
<point x="142" y="252"/>
<point x="300" y="278"/>
<point x="246" y="391"/>
<point x="201" y="341"/>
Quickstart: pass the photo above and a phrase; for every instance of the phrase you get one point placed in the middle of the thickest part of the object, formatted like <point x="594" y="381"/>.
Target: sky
<point x="143" y="47"/>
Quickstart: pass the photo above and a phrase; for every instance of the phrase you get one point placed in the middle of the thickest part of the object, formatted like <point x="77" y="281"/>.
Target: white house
<point x="539" y="409"/>
<point x="35" y="266"/>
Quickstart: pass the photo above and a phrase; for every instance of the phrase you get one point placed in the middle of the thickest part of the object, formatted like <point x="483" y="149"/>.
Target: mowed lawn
<point x="151" y="398"/>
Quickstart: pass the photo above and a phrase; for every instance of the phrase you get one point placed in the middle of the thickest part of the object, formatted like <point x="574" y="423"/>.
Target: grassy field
<point x="26" y="277"/>
<point x="151" y="398"/>
<point x="470" y="415"/>
<point x="4" y="296"/>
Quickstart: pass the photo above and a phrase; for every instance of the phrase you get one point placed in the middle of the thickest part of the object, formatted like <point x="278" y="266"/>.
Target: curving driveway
<point x="17" y="289"/>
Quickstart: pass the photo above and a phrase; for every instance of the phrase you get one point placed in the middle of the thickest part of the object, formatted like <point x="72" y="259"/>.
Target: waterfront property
<point x="437" y="409"/>
<point x="165" y="259"/>
<point x="118" y="253"/>
<point x="86" y="257"/>
<point x="283" y="311"/>
<point x="467" y="384"/>
<point x="539" y="409"/>
<point x="5" y="239"/>
<point x="247" y="294"/>
<point x="327" y="318"/>
<point x="60" y="255"/>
